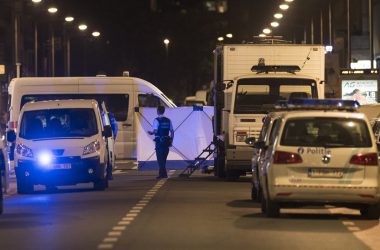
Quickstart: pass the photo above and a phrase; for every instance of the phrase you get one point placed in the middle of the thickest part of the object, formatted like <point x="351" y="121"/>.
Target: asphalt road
<point x="202" y="212"/>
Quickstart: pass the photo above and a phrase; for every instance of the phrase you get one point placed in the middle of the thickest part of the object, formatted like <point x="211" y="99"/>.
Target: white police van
<point x="61" y="142"/>
<point x="319" y="152"/>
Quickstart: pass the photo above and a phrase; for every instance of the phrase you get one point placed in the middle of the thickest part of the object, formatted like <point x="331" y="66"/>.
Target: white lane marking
<point x="119" y="228"/>
<point x="105" y="246"/>
<point x="137" y="207"/>
<point x="114" y="235"/>
<point x="111" y="239"/>
<point x="124" y="223"/>
<point x="128" y="218"/>
<point x="348" y="223"/>
<point x="131" y="215"/>
<point x="354" y="228"/>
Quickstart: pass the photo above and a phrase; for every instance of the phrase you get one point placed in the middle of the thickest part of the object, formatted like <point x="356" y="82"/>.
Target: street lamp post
<point x="83" y="28"/>
<point x="67" y="47"/>
<point x="166" y="42"/>
<point x="52" y="10"/>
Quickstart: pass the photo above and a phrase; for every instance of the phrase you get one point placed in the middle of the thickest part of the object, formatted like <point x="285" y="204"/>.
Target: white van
<point x="121" y="95"/>
<point x="61" y="142"/>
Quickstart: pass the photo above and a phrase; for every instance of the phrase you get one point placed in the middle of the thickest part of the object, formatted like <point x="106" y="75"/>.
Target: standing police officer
<point x="161" y="128"/>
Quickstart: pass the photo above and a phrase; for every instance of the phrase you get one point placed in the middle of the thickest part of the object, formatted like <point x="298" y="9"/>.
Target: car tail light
<point x="365" y="159"/>
<point x="281" y="157"/>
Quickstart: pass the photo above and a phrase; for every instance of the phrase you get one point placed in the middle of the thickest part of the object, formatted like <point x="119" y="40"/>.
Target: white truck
<point x="248" y="80"/>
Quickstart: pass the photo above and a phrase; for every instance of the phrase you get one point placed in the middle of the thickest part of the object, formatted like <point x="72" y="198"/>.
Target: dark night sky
<point x="132" y="38"/>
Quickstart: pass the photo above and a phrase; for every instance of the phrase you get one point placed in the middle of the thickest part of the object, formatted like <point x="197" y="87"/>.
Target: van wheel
<point x="101" y="184"/>
<point x="24" y="187"/>
<point x="371" y="212"/>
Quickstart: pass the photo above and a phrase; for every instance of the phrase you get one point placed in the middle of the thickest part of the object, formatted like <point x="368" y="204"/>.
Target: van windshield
<point x="326" y="132"/>
<point x="117" y="104"/>
<point x="259" y="94"/>
<point x="58" y="123"/>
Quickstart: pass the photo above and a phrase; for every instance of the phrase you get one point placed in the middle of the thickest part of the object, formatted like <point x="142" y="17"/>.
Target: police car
<point x="319" y="152"/>
<point x="61" y="142"/>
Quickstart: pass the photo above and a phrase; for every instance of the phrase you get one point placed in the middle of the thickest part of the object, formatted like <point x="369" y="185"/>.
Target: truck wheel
<point x="371" y="212"/>
<point x="101" y="184"/>
<point x="220" y="167"/>
<point x="24" y="187"/>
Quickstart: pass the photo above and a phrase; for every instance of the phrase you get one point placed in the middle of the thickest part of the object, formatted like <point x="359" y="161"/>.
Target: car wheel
<point x="371" y="212"/>
<point x="24" y="187"/>
<point x="256" y="194"/>
<point x="272" y="209"/>
<point x="263" y="206"/>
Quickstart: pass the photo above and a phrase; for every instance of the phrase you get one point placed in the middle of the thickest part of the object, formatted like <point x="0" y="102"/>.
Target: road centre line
<point x="114" y="235"/>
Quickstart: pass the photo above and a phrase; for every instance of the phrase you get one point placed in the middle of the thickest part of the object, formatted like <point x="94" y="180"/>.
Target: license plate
<point x="325" y="173"/>
<point x="61" y="166"/>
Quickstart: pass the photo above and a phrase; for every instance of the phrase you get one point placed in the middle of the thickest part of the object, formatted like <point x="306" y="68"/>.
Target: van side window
<point x="117" y="104"/>
<point x="150" y="101"/>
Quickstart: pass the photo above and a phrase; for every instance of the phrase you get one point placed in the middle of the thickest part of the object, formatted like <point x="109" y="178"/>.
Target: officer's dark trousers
<point x="162" y="153"/>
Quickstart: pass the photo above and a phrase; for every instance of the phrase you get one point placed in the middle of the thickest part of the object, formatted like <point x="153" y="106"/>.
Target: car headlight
<point x="241" y="136"/>
<point x="91" y="148"/>
<point x="23" y="150"/>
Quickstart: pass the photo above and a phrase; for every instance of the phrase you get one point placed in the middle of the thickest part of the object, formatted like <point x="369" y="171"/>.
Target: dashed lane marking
<point x="113" y="236"/>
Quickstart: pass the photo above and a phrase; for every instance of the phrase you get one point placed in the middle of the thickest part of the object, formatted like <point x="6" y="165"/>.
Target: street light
<point x="82" y="27"/>
<point x="278" y="15"/>
<point x="284" y="6"/>
<point x="220" y="39"/>
<point x="267" y="31"/>
<point x="274" y="24"/>
<point x="69" y="19"/>
<point x="52" y="10"/>
<point x="229" y="35"/>
<point x="36" y="1"/>
<point x="262" y="35"/>
<point x="96" y="34"/>
<point x="289" y="1"/>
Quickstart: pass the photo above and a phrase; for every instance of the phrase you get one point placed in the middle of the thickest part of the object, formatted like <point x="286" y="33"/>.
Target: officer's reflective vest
<point x="163" y="127"/>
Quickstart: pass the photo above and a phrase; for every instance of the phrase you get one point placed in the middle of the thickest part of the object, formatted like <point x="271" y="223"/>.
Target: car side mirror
<point x="11" y="136"/>
<point x="250" y="141"/>
<point x="260" y="145"/>
<point x="107" y="132"/>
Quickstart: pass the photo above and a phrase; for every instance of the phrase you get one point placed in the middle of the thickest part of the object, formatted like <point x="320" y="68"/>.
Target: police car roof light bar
<point x="318" y="104"/>
<point x="275" y="68"/>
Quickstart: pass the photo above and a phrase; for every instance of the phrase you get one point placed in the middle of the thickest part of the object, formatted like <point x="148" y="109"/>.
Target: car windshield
<point x="326" y="132"/>
<point x="58" y="123"/>
<point x="260" y="94"/>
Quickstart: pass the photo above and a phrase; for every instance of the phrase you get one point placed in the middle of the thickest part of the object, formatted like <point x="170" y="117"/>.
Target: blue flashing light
<point x="45" y="158"/>
<point x="318" y="104"/>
